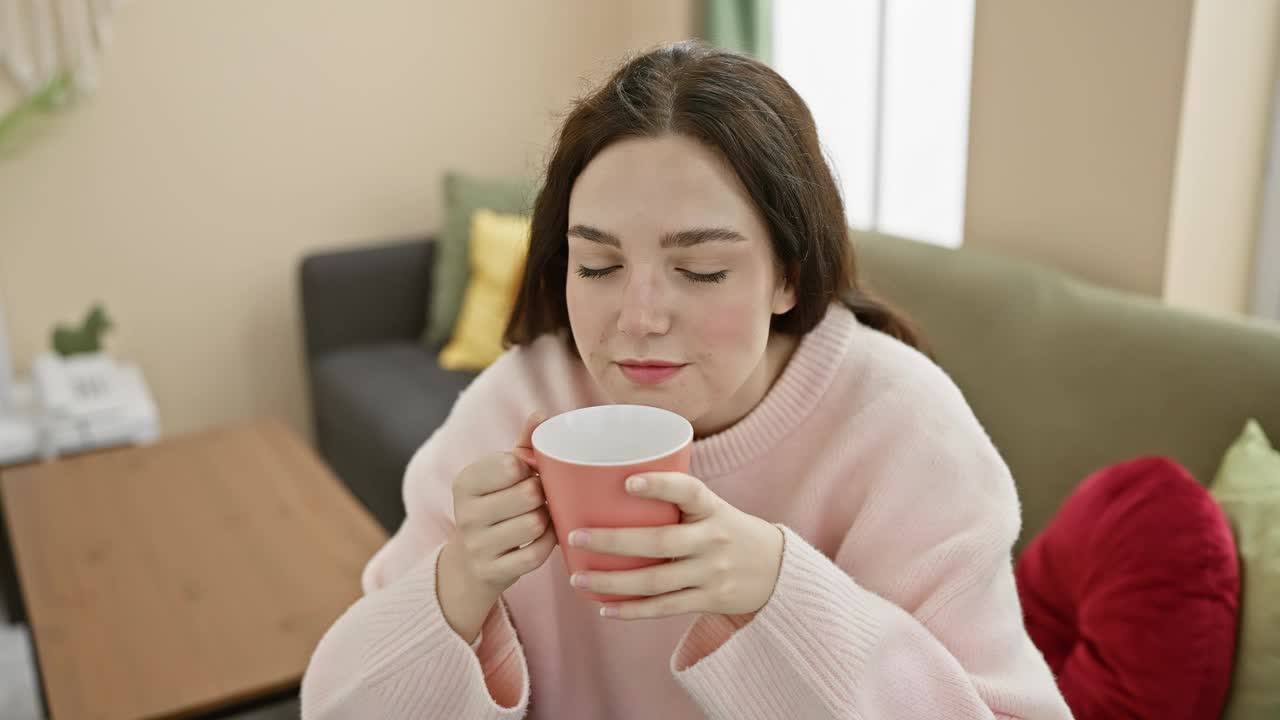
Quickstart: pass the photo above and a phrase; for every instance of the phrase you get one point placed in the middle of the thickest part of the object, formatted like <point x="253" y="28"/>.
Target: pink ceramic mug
<point x="585" y="456"/>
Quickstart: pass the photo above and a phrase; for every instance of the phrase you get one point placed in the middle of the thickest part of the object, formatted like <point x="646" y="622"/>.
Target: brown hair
<point x="758" y="123"/>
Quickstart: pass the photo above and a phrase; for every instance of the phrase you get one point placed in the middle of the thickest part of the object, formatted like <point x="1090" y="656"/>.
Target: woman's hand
<point x="503" y="531"/>
<point x="723" y="560"/>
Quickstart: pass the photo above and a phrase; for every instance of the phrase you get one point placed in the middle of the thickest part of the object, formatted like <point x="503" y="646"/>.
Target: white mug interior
<point x="612" y="435"/>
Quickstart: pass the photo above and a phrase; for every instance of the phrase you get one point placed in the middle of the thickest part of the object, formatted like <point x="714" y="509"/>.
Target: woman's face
<point x="672" y="281"/>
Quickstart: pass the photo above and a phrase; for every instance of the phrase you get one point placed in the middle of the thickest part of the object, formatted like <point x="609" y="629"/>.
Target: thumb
<point x="524" y="446"/>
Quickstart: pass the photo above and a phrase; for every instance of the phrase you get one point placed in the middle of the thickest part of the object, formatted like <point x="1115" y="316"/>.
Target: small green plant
<point x="86" y="338"/>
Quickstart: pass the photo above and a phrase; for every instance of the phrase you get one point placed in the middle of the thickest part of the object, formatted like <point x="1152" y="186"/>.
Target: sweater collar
<point x="793" y="396"/>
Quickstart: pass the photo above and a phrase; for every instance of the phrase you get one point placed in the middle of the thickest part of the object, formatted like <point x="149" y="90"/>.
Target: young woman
<point x="844" y="546"/>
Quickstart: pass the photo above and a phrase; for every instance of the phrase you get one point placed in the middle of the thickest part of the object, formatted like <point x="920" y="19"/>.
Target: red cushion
<point x="1132" y="594"/>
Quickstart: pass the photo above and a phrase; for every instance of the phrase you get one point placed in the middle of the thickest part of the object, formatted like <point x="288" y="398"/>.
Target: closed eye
<point x="586" y="272"/>
<point x="593" y="273"/>
<point x="714" y="277"/>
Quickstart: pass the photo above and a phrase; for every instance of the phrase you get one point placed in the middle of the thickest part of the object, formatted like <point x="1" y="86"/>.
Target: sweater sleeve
<point x="392" y="654"/>
<point x="916" y="615"/>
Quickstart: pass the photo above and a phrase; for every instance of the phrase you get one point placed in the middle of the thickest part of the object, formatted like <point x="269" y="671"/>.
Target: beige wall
<point x="1222" y="154"/>
<point x="1073" y="128"/>
<point x="1124" y="141"/>
<point x="230" y="137"/>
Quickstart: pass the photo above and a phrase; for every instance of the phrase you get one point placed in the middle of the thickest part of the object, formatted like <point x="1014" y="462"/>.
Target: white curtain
<point x="42" y="39"/>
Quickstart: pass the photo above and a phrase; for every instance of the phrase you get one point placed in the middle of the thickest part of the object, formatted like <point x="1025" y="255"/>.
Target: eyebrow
<point x="681" y="239"/>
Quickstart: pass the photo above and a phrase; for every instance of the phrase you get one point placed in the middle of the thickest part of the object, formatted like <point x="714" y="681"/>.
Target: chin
<point x="624" y="393"/>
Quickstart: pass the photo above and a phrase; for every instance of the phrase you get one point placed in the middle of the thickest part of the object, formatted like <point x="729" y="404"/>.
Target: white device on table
<point x="89" y="400"/>
<point x="19" y="439"/>
<point x="73" y="403"/>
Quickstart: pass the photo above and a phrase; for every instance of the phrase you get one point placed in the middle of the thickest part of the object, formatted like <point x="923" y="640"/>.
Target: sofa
<point x="376" y="391"/>
<point x="1067" y="377"/>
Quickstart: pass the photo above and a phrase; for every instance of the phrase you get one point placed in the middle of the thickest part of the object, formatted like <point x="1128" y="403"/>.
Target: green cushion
<point x="1248" y="489"/>
<point x="463" y="195"/>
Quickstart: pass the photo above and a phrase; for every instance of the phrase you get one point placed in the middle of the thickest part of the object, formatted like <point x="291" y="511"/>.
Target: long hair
<point x="761" y="126"/>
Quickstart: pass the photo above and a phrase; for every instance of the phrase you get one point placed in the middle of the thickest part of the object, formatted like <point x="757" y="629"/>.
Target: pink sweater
<point x="895" y="597"/>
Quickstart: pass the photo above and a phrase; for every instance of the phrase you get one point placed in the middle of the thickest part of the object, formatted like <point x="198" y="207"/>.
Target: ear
<point x="784" y="295"/>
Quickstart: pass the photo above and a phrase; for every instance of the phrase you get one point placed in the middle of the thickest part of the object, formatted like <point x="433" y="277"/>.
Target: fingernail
<point x="637" y="483"/>
<point x="579" y="580"/>
<point x="608" y="611"/>
<point x="578" y="538"/>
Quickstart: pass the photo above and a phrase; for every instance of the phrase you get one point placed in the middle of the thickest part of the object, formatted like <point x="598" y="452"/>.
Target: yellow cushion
<point x="498" y="247"/>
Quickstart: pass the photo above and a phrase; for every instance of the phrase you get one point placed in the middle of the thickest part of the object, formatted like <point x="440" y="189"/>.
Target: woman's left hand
<point x="723" y="560"/>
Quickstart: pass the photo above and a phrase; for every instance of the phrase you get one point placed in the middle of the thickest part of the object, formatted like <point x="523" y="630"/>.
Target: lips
<point x="649" y="372"/>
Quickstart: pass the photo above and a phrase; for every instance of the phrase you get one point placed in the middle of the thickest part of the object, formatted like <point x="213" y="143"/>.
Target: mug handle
<point x="524" y="448"/>
<point x="527" y="456"/>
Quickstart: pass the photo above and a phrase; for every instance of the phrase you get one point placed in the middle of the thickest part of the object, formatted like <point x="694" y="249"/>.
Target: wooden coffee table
<point x="188" y="577"/>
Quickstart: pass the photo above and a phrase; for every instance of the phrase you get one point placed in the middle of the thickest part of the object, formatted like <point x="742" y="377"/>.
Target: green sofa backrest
<point x="1068" y="377"/>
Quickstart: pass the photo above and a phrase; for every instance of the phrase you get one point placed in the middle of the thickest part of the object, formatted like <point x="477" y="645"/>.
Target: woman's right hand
<point x="502" y="531"/>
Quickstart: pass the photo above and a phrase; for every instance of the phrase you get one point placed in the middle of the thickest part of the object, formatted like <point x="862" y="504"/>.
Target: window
<point x="888" y="84"/>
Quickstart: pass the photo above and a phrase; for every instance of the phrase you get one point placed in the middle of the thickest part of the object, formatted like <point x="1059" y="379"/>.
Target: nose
<point x="644" y="310"/>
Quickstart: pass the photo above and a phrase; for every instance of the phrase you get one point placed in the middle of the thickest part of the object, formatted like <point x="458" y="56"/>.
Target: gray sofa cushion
<point x="374" y="405"/>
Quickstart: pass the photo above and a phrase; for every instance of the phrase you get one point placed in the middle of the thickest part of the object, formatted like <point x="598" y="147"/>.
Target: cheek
<point x="572" y="299"/>
<point x="586" y="313"/>
<point x="736" y="319"/>
<point x="574" y="303"/>
<point x="730" y="331"/>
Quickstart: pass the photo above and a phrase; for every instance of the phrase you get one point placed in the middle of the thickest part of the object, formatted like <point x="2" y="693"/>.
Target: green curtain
<point x="744" y="26"/>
